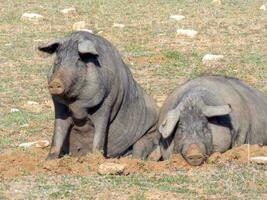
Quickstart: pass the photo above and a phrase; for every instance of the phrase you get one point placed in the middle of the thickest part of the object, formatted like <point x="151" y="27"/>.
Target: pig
<point x="211" y="113"/>
<point x="80" y="140"/>
<point x="90" y="81"/>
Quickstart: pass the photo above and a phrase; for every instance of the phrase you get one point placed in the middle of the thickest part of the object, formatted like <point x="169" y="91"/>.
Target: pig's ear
<point x="50" y="47"/>
<point x="213" y="111"/>
<point x="169" y="123"/>
<point x="87" y="47"/>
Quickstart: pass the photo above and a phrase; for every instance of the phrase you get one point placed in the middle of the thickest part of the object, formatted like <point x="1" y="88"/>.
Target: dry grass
<point x="159" y="59"/>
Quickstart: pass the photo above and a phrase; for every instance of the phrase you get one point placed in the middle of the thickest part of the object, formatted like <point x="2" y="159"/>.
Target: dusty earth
<point x="32" y="161"/>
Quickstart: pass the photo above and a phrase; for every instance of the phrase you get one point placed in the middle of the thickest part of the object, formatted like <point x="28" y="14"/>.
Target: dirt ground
<point x="32" y="161"/>
<point x="160" y="60"/>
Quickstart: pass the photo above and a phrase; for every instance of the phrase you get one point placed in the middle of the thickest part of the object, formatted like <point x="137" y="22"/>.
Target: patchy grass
<point x="226" y="181"/>
<point x="159" y="59"/>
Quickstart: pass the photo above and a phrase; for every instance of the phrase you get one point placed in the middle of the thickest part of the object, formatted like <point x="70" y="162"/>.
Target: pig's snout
<point x="56" y="87"/>
<point x="194" y="154"/>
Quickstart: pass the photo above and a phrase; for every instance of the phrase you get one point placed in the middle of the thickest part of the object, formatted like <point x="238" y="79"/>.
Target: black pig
<point x="89" y="80"/>
<point x="212" y="114"/>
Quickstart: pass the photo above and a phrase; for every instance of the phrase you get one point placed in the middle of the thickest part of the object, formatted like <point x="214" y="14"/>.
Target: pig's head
<point x="74" y="55"/>
<point x="189" y="122"/>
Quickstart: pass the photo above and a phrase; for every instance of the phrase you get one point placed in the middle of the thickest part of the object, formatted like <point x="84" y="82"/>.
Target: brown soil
<point x="241" y="154"/>
<point x="32" y="161"/>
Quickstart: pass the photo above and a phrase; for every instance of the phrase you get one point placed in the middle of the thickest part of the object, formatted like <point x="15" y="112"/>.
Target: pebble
<point x="68" y="10"/>
<point x="259" y="159"/>
<point x="87" y="30"/>
<point x="38" y="144"/>
<point x="111" y="169"/>
<point x="219" y="2"/>
<point x="25" y="126"/>
<point x="211" y="57"/>
<point x="78" y="25"/>
<point x="118" y="25"/>
<point x="12" y="110"/>
<point x="187" y="32"/>
<point x="32" y="16"/>
<point x="32" y="103"/>
<point x="177" y="17"/>
<point x="263" y="7"/>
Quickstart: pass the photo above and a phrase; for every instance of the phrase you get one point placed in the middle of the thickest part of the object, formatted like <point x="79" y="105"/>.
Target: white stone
<point x="38" y="40"/>
<point x="86" y="30"/>
<point x="118" y="25"/>
<point x="38" y="144"/>
<point x="68" y="10"/>
<point x="32" y="16"/>
<point x="211" y="57"/>
<point x="14" y="110"/>
<point x="111" y="169"/>
<point x="32" y="103"/>
<point x="187" y="32"/>
<point x="177" y="17"/>
<point x="78" y="25"/>
<point x="263" y="7"/>
<point x="259" y="159"/>
<point x="217" y="2"/>
<point x="25" y="126"/>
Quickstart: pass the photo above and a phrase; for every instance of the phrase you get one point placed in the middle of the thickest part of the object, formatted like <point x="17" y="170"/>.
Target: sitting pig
<point x="211" y="114"/>
<point x="90" y="81"/>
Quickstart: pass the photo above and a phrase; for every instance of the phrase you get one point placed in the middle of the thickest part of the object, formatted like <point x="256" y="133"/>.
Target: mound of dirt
<point x="241" y="154"/>
<point x="32" y="161"/>
<point x="21" y="162"/>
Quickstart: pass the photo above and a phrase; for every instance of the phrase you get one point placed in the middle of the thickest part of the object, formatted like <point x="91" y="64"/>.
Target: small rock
<point x="177" y="17"/>
<point x="32" y="103"/>
<point x="8" y="44"/>
<point x="38" y="144"/>
<point x="263" y="7"/>
<point x="12" y="110"/>
<point x="38" y="40"/>
<point x="111" y="169"/>
<point x="87" y="30"/>
<point x="118" y="25"/>
<point x="68" y="11"/>
<point x="32" y="16"/>
<point x="259" y="159"/>
<point x="219" y="2"/>
<point x="25" y="126"/>
<point x="187" y="32"/>
<point x="211" y="57"/>
<point x="78" y="25"/>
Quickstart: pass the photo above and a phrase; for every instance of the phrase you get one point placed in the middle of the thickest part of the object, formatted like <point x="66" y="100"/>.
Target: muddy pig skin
<point x="81" y="139"/>
<point x="211" y="114"/>
<point x="90" y="81"/>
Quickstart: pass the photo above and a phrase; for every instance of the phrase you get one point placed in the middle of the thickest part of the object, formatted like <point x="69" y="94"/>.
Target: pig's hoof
<point x="52" y="156"/>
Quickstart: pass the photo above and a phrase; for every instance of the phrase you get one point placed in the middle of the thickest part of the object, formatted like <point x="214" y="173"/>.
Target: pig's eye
<point x="87" y="57"/>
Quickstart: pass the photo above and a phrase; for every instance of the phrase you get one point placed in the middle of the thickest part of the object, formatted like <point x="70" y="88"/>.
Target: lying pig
<point x="211" y="114"/>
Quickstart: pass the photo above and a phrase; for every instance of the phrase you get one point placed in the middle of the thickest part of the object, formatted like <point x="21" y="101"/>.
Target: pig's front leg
<point x="63" y="122"/>
<point x="101" y="121"/>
